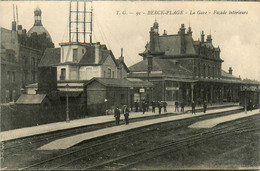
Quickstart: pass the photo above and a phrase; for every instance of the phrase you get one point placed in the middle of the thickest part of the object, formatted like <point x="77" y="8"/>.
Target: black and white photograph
<point x="130" y="85"/>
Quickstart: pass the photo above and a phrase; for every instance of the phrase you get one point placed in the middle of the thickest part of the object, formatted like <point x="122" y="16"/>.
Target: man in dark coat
<point x="117" y="115"/>
<point x="205" y="106"/>
<point x="182" y="106"/>
<point x="136" y="106"/>
<point x="160" y="107"/>
<point x="176" y="106"/>
<point x="147" y="105"/>
<point x="126" y="114"/>
<point x="153" y="106"/>
<point x="193" y="107"/>
<point x="165" y="106"/>
<point x="143" y="106"/>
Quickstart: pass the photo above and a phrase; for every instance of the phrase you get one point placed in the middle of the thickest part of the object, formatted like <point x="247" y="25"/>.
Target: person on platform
<point x="182" y="106"/>
<point x="147" y="105"/>
<point x="205" y="106"/>
<point x="143" y="106"/>
<point x="126" y="114"/>
<point x="250" y="105"/>
<point x="160" y="107"/>
<point x="176" y="106"/>
<point x="106" y="108"/>
<point x="165" y="106"/>
<point x="136" y="106"/>
<point x="153" y="106"/>
<point x="193" y="107"/>
<point x="117" y="115"/>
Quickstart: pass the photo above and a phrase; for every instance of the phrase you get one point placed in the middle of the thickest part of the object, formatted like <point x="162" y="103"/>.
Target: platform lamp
<point x="67" y="102"/>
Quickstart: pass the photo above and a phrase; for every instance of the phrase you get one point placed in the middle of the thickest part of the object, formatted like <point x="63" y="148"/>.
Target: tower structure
<point x="80" y="22"/>
<point x="37" y="17"/>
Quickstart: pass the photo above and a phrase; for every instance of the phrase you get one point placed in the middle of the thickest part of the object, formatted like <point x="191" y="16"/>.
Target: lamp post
<point x="67" y="102"/>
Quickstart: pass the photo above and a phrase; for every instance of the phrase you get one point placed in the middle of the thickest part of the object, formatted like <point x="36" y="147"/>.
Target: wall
<point x="109" y="64"/>
<point x="47" y="79"/>
<point x="96" y="93"/>
<point x="67" y="52"/>
<point x="88" y="72"/>
<point x="72" y="72"/>
<point x="158" y="90"/>
<point x="29" y="59"/>
<point x="121" y="73"/>
<point x="10" y="89"/>
<point x="11" y="82"/>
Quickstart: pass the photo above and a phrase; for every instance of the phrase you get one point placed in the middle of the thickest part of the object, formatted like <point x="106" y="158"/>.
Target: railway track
<point x="125" y="162"/>
<point x="34" y="142"/>
<point x="93" y="150"/>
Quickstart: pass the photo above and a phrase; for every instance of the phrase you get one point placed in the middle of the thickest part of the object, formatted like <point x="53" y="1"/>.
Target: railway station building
<point x="184" y="69"/>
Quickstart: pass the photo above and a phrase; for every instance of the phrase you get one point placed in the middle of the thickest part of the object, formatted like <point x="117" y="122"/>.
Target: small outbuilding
<point x="106" y="93"/>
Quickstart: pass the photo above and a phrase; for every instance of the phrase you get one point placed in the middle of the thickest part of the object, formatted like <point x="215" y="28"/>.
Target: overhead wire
<point x="117" y="40"/>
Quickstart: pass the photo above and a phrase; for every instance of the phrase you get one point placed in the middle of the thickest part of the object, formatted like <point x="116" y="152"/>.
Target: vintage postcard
<point x="130" y="85"/>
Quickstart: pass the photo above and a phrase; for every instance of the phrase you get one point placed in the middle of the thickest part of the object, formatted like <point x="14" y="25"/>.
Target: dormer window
<point x="75" y="55"/>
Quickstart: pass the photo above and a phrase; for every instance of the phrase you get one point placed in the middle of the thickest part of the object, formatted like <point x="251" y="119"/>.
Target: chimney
<point x="189" y="31"/>
<point x="230" y="70"/>
<point x="209" y="39"/>
<point x="164" y="32"/>
<point x="182" y="33"/>
<point x="20" y="29"/>
<point x="122" y="56"/>
<point x="202" y="36"/>
<point x="182" y="29"/>
<point x="152" y="47"/>
<point x="97" y="49"/>
<point x="13" y="25"/>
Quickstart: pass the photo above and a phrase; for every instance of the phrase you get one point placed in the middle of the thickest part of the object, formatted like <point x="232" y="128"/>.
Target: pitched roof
<point x="120" y="61"/>
<point x="167" y="66"/>
<point x="51" y="57"/>
<point x="171" y="44"/>
<point x="115" y="82"/>
<point x="31" y="99"/>
<point x="34" y="85"/>
<point x="227" y="75"/>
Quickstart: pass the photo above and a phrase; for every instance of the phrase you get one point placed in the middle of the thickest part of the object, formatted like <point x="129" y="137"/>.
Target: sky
<point x="126" y="24"/>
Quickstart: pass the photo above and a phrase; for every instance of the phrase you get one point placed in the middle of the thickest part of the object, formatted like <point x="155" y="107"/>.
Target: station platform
<point x="58" y="126"/>
<point x="68" y="142"/>
<point x="210" y="123"/>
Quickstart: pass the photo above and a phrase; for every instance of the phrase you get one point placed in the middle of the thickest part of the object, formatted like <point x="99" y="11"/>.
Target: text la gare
<point x="199" y="12"/>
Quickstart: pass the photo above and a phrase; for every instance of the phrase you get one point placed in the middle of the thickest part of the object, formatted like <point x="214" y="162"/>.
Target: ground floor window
<point x="136" y="97"/>
<point x="7" y="96"/>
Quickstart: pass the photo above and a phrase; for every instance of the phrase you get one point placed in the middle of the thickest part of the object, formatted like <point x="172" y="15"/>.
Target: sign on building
<point x="141" y="90"/>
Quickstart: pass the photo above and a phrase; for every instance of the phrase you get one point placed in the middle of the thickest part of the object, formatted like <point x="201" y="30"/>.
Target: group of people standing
<point x="160" y="105"/>
<point x="177" y="106"/>
<point x="125" y="111"/>
<point x="145" y="106"/>
<point x="193" y="105"/>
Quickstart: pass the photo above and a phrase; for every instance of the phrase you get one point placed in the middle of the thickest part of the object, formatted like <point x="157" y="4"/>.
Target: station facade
<point x="183" y="69"/>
